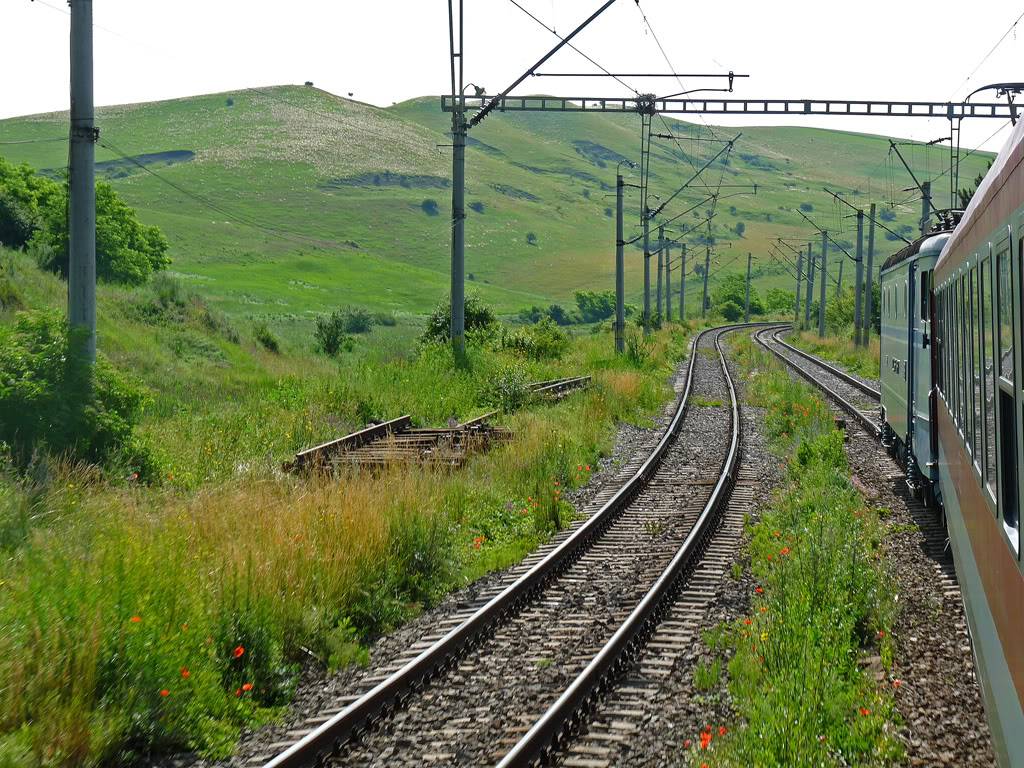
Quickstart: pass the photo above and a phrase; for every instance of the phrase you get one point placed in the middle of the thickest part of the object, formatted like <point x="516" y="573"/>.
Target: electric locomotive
<point x="952" y="378"/>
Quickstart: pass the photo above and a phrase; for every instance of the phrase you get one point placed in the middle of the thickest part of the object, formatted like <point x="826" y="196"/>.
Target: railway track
<point x="853" y="396"/>
<point x="509" y="679"/>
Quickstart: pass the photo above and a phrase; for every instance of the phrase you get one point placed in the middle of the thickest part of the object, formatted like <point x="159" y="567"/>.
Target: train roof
<point x="1010" y="156"/>
<point x="922" y="244"/>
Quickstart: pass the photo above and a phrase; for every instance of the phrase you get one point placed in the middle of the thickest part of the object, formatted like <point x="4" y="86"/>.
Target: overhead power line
<point x="987" y="55"/>
<point x="617" y="78"/>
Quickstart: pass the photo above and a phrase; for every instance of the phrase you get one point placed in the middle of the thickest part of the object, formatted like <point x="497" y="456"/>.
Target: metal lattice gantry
<point x="754" y="107"/>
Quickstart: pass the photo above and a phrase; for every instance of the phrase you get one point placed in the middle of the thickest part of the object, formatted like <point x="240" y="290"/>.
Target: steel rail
<point x="315" y="747"/>
<point x="873" y="429"/>
<point x="874" y="394"/>
<point x="632" y="634"/>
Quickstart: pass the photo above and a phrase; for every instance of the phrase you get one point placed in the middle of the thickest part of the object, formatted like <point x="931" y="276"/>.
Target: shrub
<point x="430" y="207"/>
<point x="506" y="389"/>
<point x="731" y="311"/>
<point x="537" y="342"/>
<point x="330" y="334"/>
<point x="478" y="316"/>
<point x="266" y="338"/>
<point x="15" y="224"/>
<point x="595" y="305"/>
<point x="806" y="207"/>
<point x="51" y="400"/>
<point x="531" y="238"/>
<point x="356" y="320"/>
<point x="127" y="251"/>
<point x="476" y="206"/>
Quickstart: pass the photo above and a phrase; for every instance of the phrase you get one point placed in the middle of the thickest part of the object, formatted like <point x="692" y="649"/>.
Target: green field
<point x="286" y="201"/>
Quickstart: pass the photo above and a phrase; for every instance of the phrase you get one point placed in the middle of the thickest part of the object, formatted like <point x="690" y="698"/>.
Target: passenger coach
<point x="977" y="376"/>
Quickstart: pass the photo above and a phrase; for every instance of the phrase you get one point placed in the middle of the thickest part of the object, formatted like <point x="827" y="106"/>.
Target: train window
<point x="1008" y="467"/>
<point x="1004" y="300"/>
<point x="926" y="289"/>
<point x="988" y="378"/>
<point x="978" y="412"/>
<point x="938" y="333"/>
<point x="965" y="360"/>
<point x="955" y="379"/>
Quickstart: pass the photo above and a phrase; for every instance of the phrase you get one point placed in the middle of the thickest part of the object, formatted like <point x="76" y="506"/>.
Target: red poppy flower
<point x="687" y="743"/>
<point x="705" y="740"/>
<point x="748" y="622"/>
<point x="237" y="653"/>
<point x="185" y="673"/>
<point x="135" y="619"/>
<point x="763" y="609"/>
<point x="238" y="692"/>
<point x="897" y="683"/>
<point x="588" y="467"/>
<point x="784" y="551"/>
<point x="881" y="633"/>
<point x="579" y="467"/>
<point x="165" y="693"/>
<point x="246" y="687"/>
<point x="769" y="557"/>
<point x="722" y="730"/>
<point x="759" y="591"/>
<point x="864" y="711"/>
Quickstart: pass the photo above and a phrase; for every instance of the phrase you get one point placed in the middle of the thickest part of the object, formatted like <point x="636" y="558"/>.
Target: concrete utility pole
<point x="868" y="287"/>
<point x="82" y="171"/>
<point x="926" y="205"/>
<point x="620" y="272"/>
<point x="839" y="282"/>
<point x="824" y="280"/>
<point x="682" y="286"/>
<point x="647" y="274"/>
<point x="858" y="336"/>
<point x="661" y="266"/>
<point x="704" y="295"/>
<point x="799" y="275"/>
<point x="460" y="128"/>
<point x="810" y="286"/>
<point x="746" y="305"/>
<point x="668" y="282"/>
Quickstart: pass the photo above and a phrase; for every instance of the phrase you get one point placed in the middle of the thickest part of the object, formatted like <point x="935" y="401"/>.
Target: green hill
<point x="289" y="200"/>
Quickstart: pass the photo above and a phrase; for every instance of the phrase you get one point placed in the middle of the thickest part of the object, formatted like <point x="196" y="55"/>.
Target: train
<point x="951" y="376"/>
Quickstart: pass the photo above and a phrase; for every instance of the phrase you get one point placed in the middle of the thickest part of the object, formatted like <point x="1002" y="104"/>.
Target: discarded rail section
<point x="397" y="441"/>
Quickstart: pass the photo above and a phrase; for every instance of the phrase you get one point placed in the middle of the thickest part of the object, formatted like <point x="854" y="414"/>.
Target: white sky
<point x="384" y="51"/>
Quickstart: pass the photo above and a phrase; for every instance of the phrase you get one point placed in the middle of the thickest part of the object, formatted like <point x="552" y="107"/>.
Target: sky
<point x="385" y="51"/>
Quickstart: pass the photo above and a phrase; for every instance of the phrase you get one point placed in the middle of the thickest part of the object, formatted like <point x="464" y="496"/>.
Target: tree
<point x="477" y="316"/>
<point x="967" y="193"/>
<point x="779" y="301"/>
<point x="740" y="228"/>
<point x="127" y="251"/>
<point x="734" y="288"/>
<point x="595" y="305"/>
<point x="731" y="311"/>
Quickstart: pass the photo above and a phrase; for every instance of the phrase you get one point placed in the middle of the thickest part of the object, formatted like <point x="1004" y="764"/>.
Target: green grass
<point x="283" y="243"/>
<point x="123" y="606"/>
<point x="821" y="603"/>
<point x="840" y="348"/>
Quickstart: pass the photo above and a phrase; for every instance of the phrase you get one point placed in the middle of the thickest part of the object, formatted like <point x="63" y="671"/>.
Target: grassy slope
<point x="111" y="588"/>
<point x="264" y="160"/>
